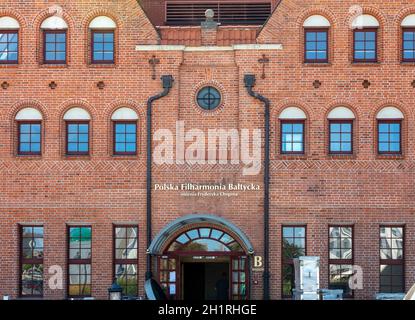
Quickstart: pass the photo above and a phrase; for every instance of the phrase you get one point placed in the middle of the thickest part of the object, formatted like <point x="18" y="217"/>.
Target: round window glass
<point x="208" y="98"/>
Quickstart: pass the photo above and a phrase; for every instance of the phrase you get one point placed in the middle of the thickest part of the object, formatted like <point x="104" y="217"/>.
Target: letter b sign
<point x="258" y="263"/>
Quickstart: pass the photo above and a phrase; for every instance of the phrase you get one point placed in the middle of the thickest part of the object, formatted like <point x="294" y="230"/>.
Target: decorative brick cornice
<point x="57" y="166"/>
<point x="277" y="166"/>
<point x="350" y="166"/>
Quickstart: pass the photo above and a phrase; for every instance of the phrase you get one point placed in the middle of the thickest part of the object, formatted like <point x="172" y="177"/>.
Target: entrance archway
<point x="203" y="257"/>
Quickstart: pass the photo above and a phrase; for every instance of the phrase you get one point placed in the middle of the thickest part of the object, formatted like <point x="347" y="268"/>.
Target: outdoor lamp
<point x="115" y="291"/>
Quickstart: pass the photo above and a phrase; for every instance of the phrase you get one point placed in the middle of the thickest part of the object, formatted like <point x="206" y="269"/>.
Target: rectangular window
<point x="29" y="137"/>
<point x="341" y="137"/>
<point x="79" y="261"/>
<point x="125" y="259"/>
<point x="392" y="275"/>
<point x="408" y="46"/>
<point x="293" y="246"/>
<point x="9" y="47"/>
<point x="31" y="261"/>
<point x="54" y="47"/>
<point x="292" y="137"/>
<point x="77" y="138"/>
<point x="125" y="139"/>
<point x="168" y="276"/>
<point x="341" y="258"/>
<point x="365" y="45"/>
<point x="316" y="46"/>
<point x="103" y="47"/>
<point x="389" y="137"/>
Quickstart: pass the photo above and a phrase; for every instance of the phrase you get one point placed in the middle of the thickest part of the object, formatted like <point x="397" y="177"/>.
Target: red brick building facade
<point x="71" y="195"/>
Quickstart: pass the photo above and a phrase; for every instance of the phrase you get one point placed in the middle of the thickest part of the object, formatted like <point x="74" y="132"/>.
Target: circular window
<point x="208" y="98"/>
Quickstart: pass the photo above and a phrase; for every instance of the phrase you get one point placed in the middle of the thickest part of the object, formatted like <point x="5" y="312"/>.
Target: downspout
<point x="167" y="82"/>
<point x="250" y="80"/>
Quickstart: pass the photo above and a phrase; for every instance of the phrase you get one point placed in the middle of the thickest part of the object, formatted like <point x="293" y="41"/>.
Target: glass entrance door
<point x="211" y="255"/>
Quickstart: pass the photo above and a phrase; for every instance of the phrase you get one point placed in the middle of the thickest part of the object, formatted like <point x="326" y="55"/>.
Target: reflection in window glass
<point x="316" y="46"/>
<point x="77" y="138"/>
<point x="55" y="47"/>
<point x="294" y="246"/>
<point x="392" y="277"/>
<point x="9" y="47"/>
<point x="29" y="138"/>
<point x="365" y="45"/>
<point x="292" y="137"/>
<point x="389" y="136"/>
<point x="103" y="47"/>
<point x="238" y="288"/>
<point x="205" y="239"/>
<point x="79" y="264"/>
<point x="408" y="50"/>
<point x="168" y="276"/>
<point x="125" y="137"/>
<point x="340" y="137"/>
<point x="125" y="262"/>
<point x="340" y="258"/>
<point x="31" y="266"/>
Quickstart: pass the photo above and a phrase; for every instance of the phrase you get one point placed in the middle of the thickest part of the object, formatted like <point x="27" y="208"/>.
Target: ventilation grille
<point x="179" y="13"/>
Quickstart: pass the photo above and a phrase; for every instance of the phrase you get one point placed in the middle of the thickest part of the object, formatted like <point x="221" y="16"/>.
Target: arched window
<point x="77" y="122"/>
<point x="9" y="40"/>
<point x="365" y="38"/>
<point x="341" y="130"/>
<point x="125" y="131"/>
<point x="205" y="239"/>
<point x="408" y="38"/>
<point x="316" y="34"/>
<point x="54" y="40"/>
<point x="292" y="120"/>
<point x="389" y="121"/>
<point x="103" y="42"/>
<point x="29" y="126"/>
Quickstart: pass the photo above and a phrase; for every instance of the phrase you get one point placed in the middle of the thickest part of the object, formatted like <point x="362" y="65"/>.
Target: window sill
<point x="365" y="64"/>
<point x="9" y="65"/>
<point x="390" y="157"/>
<point x="77" y="157"/>
<point x="317" y="64"/>
<point x="102" y="65"/>
<point x="53" y="65"/>
<point x="290" y="157"/>
<point x="125" y="157"/>
<point x="345" y="156"/>
<point x="29" y="156"/>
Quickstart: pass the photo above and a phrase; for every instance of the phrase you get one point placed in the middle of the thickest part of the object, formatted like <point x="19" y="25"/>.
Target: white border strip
<point x="209" y="48"/>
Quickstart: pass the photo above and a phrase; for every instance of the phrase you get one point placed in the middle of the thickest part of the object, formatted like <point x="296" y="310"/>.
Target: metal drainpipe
<point x="250" y="80"/>
<point x="167" y="82"/>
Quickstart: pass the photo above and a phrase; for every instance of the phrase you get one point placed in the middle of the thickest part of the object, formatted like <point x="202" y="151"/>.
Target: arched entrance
<point x="202" y="257"/>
